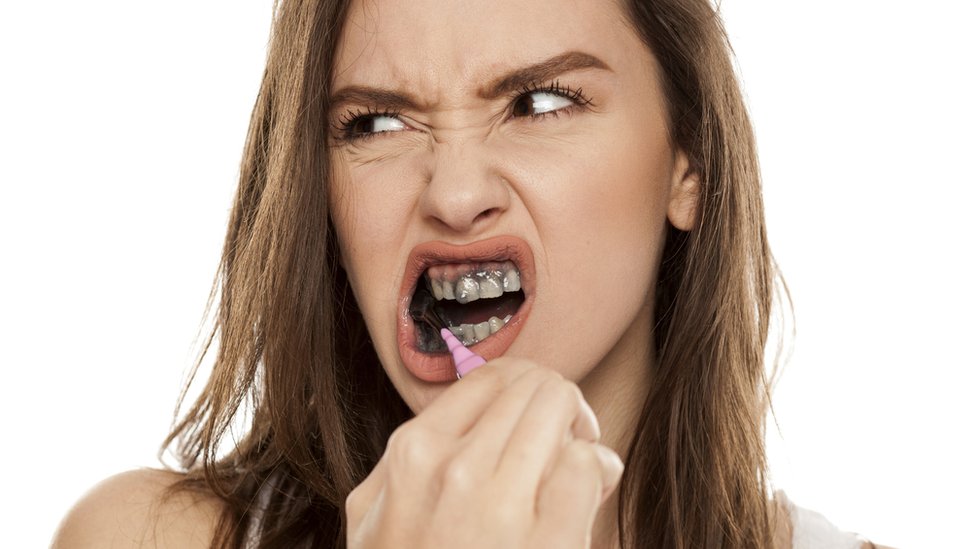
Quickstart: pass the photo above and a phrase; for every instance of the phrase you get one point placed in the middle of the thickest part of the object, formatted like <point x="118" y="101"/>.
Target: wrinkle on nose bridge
<point x="459" y="136"/>
<point x="462" y="193"/>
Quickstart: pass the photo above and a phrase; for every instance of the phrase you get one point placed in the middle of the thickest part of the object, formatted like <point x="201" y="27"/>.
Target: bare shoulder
<point x="133" y="509"/>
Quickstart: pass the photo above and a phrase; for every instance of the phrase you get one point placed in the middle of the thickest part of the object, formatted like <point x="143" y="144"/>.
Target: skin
<point x="591" y="191"/>
<point x="600" y="181"/>
<point x="592" y="183"/>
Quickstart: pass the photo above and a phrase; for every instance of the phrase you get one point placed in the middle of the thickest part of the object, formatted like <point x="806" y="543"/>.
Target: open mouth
<point x="482" y="291"/>
<point x="473" y="300"/>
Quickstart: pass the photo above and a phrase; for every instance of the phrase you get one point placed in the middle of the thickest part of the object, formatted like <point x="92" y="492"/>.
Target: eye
<point x="540" y="102"/>
<point x="360" y="125"/>
<point x="376" y="124"/>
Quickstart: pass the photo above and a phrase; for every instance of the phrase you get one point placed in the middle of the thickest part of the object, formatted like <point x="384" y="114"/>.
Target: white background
<point x="121" y="127"/>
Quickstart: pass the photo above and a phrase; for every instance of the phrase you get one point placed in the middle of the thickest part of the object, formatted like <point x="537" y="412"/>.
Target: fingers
<point x="487" y="439"/>
<point x="461" y="406"/>
<point x="556" y="414"/>
<point x="582" y="476"/>
<point x="509" y="432"/>
<point x="415" y="457"/>
<point x="410" y="468"/>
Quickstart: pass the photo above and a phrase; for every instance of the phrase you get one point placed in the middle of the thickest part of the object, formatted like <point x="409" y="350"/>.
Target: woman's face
<point x="475" y="142"/>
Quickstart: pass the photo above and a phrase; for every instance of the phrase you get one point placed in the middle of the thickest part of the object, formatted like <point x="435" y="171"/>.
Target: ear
<point x="685" y="188"/>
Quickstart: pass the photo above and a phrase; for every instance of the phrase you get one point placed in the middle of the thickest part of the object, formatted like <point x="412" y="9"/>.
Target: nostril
<point x="486" y="214"/>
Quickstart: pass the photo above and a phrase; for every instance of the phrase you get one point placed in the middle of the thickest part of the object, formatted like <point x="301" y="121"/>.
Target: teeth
<point x="469" y="334"/>
<point x="435" y="286"/>
<point x="512" y="282"/>
<point x="478" y="284"/>
<point x="481" y="330"/>
<point x="495" y="324"/>
<point x="447" y="289"/>
<point x="466" y="290"/>
<point x="490" y="285"/>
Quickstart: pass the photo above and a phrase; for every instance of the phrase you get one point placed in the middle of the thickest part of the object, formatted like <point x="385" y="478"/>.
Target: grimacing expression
<point x="543" y="122"/>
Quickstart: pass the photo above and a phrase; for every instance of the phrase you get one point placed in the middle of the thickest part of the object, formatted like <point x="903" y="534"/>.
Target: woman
<point x="598" y="157"/>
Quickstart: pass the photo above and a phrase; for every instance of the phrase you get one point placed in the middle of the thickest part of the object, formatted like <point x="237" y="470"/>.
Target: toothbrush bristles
<point x="426" y="311"/>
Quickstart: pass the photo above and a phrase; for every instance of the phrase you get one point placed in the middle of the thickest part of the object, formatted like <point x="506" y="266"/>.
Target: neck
<point x="616" y="390"/>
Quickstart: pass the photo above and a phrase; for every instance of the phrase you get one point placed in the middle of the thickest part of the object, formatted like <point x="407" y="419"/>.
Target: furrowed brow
<point x="377" y="97"/>
<point x="506" y="84"/>
<point x="540" y="72"/>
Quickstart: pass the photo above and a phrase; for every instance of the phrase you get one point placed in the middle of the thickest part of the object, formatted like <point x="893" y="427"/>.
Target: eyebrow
<point x="546" y="70"/>
<point x="510" y="82"/>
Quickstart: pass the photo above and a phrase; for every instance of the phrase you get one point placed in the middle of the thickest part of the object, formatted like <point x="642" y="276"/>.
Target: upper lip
<point x="499" y="248"/>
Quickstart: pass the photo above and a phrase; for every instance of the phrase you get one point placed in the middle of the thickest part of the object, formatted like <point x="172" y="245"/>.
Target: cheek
<point x="370" y="213"/>
<point x="608" y="198"/>
<point x="600" y="209"/>
<point x="370" y="218"/>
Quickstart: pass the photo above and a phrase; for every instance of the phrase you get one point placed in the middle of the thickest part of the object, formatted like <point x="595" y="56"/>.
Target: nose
<point x="466" y="194"/>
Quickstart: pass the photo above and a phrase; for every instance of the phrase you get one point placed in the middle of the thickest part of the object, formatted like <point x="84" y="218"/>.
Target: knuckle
<point x="503" y="373"/>
<point x="565" y="394"/>
<point x="504" y="512"/>
<point x="546" y="376"/>
<point x="571" y="395"/>
<point x="510" y="369"/>
<point x="492" y="379"/>
<point x="580" y="457"/>
<point x="459" y="476"/>
<point x="544" y="380"/>
<point x="408" y="446"/>
<point x="396" y="437"/>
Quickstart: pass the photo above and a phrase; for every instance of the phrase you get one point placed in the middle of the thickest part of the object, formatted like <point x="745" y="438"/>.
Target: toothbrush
<point x="465" y="359"/>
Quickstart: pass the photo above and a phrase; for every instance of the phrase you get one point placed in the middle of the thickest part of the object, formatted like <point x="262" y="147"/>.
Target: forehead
<point x="439" y="47"/>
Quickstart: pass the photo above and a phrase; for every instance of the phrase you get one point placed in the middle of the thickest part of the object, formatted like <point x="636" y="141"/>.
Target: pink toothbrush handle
<point x="465" y="359"/>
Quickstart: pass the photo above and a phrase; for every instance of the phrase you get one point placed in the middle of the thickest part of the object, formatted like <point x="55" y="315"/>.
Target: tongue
<point x="481" y="310"/>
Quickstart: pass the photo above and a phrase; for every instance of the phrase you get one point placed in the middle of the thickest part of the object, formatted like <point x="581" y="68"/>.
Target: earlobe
<point x="685" y="188"/>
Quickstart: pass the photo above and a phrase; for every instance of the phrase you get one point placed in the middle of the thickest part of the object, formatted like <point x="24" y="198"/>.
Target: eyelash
<point x="555" y="88"/>
<point x="348" y="120"/>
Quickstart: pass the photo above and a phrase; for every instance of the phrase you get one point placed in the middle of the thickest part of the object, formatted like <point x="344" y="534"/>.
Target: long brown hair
<point x="294" y="360"/>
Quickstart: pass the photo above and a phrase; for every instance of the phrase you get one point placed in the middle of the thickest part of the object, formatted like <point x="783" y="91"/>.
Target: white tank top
<point x="811" y="530"/>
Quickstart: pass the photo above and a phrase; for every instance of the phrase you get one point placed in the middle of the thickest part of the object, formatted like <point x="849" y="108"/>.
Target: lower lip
<point x="439" y="367"/>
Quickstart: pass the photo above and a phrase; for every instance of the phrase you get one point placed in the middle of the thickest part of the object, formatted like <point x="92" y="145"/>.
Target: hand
<point x="505" y="458"/>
